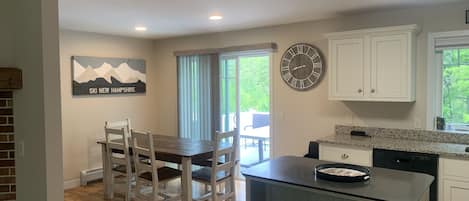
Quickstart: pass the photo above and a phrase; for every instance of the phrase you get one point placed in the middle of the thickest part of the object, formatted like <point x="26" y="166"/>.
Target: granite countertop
<point x="448" y="150"/>
<point x="299" y="171"/>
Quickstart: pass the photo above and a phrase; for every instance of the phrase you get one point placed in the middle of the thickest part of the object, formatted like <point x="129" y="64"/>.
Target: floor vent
<point x="90" y="175"/>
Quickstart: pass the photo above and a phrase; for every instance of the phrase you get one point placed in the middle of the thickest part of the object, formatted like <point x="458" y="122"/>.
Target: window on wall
<point x="455" y="88"/>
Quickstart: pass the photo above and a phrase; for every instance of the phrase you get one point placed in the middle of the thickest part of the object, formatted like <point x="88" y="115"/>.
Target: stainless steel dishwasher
<point x="409" y="161"/>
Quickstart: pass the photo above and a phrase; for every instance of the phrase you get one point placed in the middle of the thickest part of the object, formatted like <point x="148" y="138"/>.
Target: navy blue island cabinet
<point x="292" y="178"/>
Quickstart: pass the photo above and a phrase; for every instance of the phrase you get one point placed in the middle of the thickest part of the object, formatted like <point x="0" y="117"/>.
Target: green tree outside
<point x="456" y="86"/>
<point x="254" y="84"/>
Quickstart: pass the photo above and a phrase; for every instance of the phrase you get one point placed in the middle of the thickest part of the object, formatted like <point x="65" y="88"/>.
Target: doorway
<point x="245" y="104"/>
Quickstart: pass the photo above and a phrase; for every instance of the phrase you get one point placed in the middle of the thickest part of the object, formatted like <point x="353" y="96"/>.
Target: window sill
<point x="461" y="132"/>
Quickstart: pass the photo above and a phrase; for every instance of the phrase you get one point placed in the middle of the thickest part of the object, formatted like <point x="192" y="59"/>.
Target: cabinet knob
<point x="345" y="156"/>
<point x="360" y="90"/>
<point x="373" y="90"/>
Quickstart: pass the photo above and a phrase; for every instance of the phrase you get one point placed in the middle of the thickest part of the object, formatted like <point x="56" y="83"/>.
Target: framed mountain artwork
<point x="99" y="76"/>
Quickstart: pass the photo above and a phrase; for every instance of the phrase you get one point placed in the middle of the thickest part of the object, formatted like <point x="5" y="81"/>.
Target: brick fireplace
<point x="7" y="147"/>
<point x="10" y="79"/>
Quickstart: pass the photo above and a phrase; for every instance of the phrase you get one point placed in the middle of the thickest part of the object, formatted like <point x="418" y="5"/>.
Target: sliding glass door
<point x="245" y="103"/>
<point x="221" y="93"/>
<point x="229" y="98"/>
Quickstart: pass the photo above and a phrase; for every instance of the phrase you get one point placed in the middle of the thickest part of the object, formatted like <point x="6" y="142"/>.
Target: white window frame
<point x="434" y="75"/>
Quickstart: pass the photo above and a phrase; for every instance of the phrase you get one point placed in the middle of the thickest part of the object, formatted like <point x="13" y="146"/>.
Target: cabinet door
<point x="455" y="190"/>
<point x="390" y="67"/>
<point x="347" y="69"/>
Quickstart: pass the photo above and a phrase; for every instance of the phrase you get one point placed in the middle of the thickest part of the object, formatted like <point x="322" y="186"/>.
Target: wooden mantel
<point x="10" y="78"/>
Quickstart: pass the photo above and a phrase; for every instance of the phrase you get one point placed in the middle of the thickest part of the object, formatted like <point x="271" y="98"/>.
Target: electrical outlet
<point x="282" y="116"/>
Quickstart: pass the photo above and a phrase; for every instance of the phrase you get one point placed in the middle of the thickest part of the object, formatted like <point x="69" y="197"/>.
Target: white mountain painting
<point x="123" y="73"/>
<point x="93" y="75"/>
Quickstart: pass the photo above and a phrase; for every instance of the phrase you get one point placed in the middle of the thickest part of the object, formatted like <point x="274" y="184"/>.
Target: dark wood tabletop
<point x="171" y="149"/>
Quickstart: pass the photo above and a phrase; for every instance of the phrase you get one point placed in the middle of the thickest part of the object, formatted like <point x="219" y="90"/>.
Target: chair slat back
<point x="119" y="124"/>
<point x="225" y="146"/>
<point x="117" y="143"/>
<point x="144" y="157"/>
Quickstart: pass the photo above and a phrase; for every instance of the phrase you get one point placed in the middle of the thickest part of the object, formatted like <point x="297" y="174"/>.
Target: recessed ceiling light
<point x="215" y="17"/>
<point x="140" y="28"/>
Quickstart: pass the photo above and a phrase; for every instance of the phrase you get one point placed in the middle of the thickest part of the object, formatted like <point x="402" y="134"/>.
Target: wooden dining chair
<point x="222" y="171"/>
<point x="147" y="172"/>
<point x="117" y="145"/>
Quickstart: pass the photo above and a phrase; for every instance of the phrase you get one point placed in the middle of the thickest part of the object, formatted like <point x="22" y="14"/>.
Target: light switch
<point x="20" y="148"/>
<point x="417" y="123"/>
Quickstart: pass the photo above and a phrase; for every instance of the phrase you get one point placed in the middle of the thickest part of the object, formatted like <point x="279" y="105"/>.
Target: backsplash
<point x="421" y="135"/>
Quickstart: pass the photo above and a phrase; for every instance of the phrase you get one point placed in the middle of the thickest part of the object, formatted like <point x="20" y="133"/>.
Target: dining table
<point x="262" y="135"/>
<point x="183" y="151"/>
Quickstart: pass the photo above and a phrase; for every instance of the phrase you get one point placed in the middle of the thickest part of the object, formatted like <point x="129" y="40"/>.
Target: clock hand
<point x="298" y="67"/>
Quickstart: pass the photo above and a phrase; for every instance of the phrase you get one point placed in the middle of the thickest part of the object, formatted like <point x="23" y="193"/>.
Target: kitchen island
<point x="292" y="178"/>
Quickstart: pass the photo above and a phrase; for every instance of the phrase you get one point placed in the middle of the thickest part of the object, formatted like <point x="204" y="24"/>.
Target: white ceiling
<point x="169" y="18"/>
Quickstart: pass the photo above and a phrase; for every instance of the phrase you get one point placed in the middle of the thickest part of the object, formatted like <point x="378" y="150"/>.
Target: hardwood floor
<point x="95" y="192"/>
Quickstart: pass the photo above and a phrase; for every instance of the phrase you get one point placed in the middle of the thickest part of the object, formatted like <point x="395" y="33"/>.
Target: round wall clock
<point x="302" y="67"/>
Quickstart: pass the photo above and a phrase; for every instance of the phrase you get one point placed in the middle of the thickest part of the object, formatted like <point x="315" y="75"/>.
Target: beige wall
<point x="84" y="116"/>
<point x="299" y="117"/>
<point x="37" y="105"/>
<point x="7" y="55"/>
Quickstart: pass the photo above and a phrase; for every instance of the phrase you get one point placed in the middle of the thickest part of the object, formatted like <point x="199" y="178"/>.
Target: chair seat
<point x="164" y="173"/>
<point x="204" y="174"/>
<point x="122" y="169"/>
<point x="204" y="163"/>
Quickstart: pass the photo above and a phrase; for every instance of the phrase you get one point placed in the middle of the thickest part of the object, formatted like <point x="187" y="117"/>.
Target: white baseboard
<point x="72" y="183"/>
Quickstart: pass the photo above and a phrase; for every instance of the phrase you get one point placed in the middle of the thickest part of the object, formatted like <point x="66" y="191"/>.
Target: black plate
<point x="347" y="179"/>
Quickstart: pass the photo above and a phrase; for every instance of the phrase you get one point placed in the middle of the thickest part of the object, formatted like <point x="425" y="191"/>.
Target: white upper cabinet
<point x="349" y="65"/>
<point x="373" y="64"/>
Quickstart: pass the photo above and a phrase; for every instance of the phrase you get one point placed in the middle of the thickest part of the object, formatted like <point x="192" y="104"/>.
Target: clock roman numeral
<point x="300" y="48"/>
<point x="316" y="59"/>
<point x="306" y="50"/>
<point x="316" y="74"/>
<point x="313" y="53"/>
<point x="287" y="77"/>
<point x="302" y="84"/>
<point x="293" y="82"/>
<point x="285" y="68"/>
<point x="291" y="52"/>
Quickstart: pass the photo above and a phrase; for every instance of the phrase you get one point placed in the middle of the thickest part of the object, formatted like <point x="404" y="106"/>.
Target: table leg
<point x="186" y="179"/>
<point x="261" y="150"/>
<point x="106" y="173"/>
